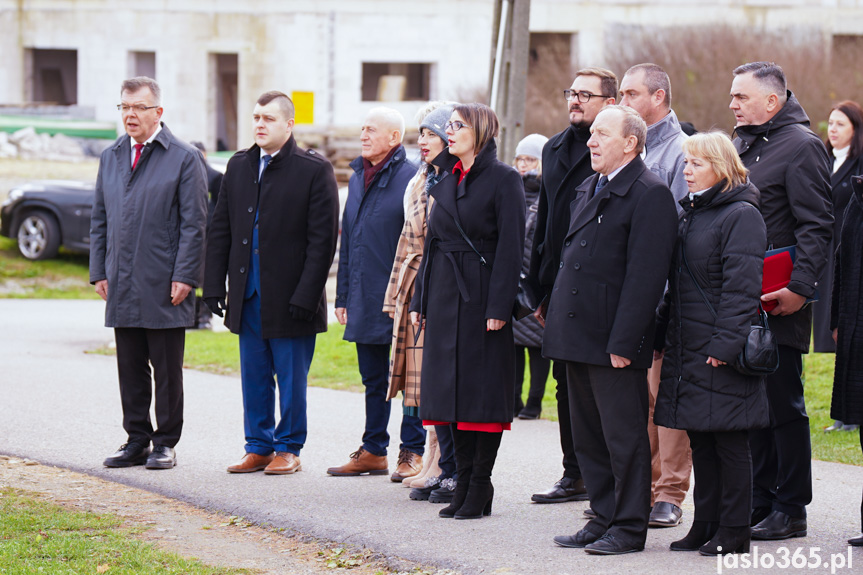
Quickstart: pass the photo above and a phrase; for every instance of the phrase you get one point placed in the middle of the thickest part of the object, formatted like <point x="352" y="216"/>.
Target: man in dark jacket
<point x="371" y="225"/>
<point x="565" y="165"/>
<point x="788" y="163"/>
<point x="274" y="235"/>
<point x="146" y="255"/>
<point x="601" y="317"/>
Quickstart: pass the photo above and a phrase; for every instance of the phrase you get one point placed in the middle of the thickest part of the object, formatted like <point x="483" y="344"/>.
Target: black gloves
<point x="217" y="305"/>
<point x="301" y="314"/>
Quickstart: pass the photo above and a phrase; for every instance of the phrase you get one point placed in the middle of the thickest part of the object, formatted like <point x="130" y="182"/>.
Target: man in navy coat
<point x="371" y="225"/>
<point x="612" y="272"/>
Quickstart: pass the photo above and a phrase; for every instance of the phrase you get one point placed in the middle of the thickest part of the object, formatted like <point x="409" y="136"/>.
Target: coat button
<point x="577" y="266"/>
<point x="561" y="265"/>
<point x="583" y="243"/>
<point x="242" y="270"/>
<point x="245" y="241"/>
<point x="574" y="291"/>
<point x="567" y="243"/>
<point x="251" y="209"/>
<point x="571" y="314"/>
<point x="256" y="251"/>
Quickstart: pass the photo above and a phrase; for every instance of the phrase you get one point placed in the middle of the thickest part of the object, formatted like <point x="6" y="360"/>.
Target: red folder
<point x="778" y="265"/>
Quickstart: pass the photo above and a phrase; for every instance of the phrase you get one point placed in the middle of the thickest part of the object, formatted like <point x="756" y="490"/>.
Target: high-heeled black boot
<point x="480" y="490"/>
<point x="728" y="540"/>
<point x="700" y="533"/>
<point x="464" y="446"/>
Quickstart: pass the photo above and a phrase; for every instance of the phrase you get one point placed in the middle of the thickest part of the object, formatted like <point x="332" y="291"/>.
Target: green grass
<point x="40" y="537"/>
<point x="65" y="277"/>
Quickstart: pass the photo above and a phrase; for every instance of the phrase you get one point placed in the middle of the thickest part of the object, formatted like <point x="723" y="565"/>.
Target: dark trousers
<point x="861" y="502"/>
<point x="447" y="450"/>
<point x="137" y="349"/>
<point x="288" y="358"/>
<point x="782" y="453"/>
<point x="609" y="430"/>
<point x="539" y="367"/>
<point x="374" y="364"/>
<point x="570" y="461"/>
<point x="723" y="477"/>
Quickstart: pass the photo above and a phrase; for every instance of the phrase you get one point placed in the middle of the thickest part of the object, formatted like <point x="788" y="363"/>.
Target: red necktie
<point x="138" y="148"/>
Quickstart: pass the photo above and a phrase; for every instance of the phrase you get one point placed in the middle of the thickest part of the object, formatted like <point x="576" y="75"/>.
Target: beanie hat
<point x="531" y="146"/>
<point x="436" y="122"/>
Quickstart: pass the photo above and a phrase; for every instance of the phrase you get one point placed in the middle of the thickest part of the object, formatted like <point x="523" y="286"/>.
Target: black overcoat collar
<point x="448" y="189"/>
<point x="619" y="186"/>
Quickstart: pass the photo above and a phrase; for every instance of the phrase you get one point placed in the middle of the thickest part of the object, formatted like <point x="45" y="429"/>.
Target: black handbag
<point x="521" y="307"/>
<point x="760" y="355"/>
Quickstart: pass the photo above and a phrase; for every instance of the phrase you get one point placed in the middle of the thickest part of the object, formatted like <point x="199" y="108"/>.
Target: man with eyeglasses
<point x="646" y="89"/>
<point x="146" y="258"/>
<point x="565" y="165"/>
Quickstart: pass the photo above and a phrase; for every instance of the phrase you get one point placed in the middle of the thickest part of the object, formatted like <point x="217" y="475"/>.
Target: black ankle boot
<point x="478" y="502"/>
<point x="480" y="490"/>
<point x="728" y="540"/>
<point x="464" y="446"/>
<point x="700" y="533"/>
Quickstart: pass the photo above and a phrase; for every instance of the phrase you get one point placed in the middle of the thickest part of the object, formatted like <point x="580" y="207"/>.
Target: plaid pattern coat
<point x="406" y="359"/>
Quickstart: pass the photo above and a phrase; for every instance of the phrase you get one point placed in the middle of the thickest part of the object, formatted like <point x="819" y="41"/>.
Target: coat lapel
<point x="590" y="208"/>
<point x="123" y="157"/>
<point x="844" y="172"/>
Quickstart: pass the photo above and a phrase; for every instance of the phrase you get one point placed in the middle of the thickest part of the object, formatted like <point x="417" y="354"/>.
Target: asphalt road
<point x="61" y="406"/>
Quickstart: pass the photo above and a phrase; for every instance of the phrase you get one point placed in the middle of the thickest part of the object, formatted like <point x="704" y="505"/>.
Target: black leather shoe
<point x="590" y="513"/>
<point x="577" y="541"/>
<point x="856" y="541"/>
<point x="128" y="455"/>
<point x="778" y="526"/>
<point x="163" y="457"/>
<point x="567" y="489"/>
<point x="699" y="534"/>
<point x="758" y="515"/>
<point x="608" y="545"/>
<point x="727" y="540"/>
<point x="530" y="412"/>
<point x="665" y="514"/>
<point x="423" y="493"/>
<point x="444" y="492"/>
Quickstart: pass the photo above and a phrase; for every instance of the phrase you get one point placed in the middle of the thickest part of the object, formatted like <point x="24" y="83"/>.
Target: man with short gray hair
<point x="612" y="271"/>
<point x="790" y="166"/>
<point x="371" y="226"/>
<point x="646" y="88"/>
<point x="146" y="258"/>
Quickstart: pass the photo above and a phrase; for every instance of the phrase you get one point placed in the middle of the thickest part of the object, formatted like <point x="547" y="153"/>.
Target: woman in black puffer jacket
<point x="720" y="250"/>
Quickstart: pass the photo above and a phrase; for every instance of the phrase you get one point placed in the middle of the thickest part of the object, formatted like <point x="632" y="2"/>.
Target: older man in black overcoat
<point x="274" y="235"/>
<point x="600" y="321"/>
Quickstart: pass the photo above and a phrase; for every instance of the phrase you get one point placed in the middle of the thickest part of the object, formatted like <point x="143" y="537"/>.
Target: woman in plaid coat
<point x="406" y="358"/>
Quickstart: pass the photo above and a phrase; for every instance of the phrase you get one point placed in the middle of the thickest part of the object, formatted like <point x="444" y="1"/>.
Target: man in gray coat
<point x="146" y="258"/>
<point x="646" y="88"/>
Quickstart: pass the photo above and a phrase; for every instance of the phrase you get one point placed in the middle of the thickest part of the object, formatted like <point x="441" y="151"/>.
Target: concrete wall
<point x="320" y="45"/>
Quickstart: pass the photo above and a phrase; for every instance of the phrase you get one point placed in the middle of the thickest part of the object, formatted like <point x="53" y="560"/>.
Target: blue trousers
<point x="286" y="358"/>
<point x="374" y="364"/>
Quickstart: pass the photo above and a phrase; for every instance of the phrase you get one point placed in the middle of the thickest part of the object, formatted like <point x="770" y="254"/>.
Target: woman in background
<point x="528" y="331"/>
<point x="845" y="144"/>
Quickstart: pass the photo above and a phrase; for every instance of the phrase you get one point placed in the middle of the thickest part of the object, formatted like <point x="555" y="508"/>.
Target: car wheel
<point x="38" y="236"/>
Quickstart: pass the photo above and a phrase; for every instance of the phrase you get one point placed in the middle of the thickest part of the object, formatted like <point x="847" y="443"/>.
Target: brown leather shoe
<point x="251" y="462"/>
<point x="410" y="464"/>
<point x="362" y="462"/>
<point x="284" y="463"/>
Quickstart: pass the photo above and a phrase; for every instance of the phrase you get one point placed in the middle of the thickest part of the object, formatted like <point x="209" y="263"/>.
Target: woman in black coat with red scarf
<point x="469" y="278"/>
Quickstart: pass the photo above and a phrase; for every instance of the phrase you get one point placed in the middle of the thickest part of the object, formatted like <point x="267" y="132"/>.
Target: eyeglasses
<point x="455" y="126"/>
<point x="139" y="108"/>
<point x="583" y="97"/>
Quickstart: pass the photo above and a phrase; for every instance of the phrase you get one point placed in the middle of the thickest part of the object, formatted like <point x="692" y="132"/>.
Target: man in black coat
<point x="788" y="163"/>
<point x="612" y="271"/>
<point x="274" y="235"/>
<point x="565" y="165"/>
